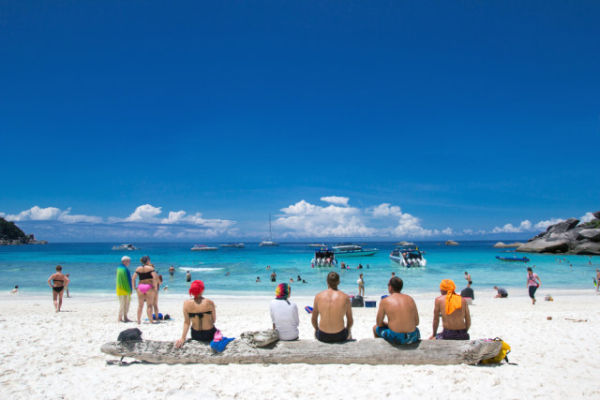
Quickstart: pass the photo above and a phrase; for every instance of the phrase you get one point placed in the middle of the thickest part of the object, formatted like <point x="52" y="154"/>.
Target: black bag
<point x="130" y="335"/>
<point x="358" y="301"/>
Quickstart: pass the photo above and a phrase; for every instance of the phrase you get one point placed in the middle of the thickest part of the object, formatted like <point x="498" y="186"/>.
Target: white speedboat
<point x="409" y="257"/>
<point x="125" y="246"/>
<point x="353" y="250"/>
<point x="318" y="245"/>
<point x="203" y="247"/>
<point x="323" y="258"/>
<point x="236" y="245"/>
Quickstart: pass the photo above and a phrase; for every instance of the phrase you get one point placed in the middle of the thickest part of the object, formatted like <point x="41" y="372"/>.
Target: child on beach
<point x="533" y="283"/>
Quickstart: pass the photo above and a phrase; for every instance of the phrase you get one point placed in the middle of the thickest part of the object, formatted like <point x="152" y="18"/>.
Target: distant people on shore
<point x="332" y="306"/>
<point x="597" y="281"/>
<point x="188" y="276"/>
<point x="59" y="281"/>
<point x="468" y="279"/>
<point x="533" y="283"/>
<point x="361" y="285"/>
<point x="402" y="316"/>
<point x="146" y="288"/>
<point x="501" y="293"/>
<point x="15" y="290"/>
<point x="159" y="281"/>
<point x="67" y="285"/>
<point x="284" y="313"/>
<point x="200" y="314"/>
<point x="123" y="287"/>
<point x="454" y="311"/>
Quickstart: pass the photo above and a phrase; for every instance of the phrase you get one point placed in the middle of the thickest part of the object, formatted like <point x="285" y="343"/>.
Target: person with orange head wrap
<point x="200" y="314"/>
<point x="454" y="311"/>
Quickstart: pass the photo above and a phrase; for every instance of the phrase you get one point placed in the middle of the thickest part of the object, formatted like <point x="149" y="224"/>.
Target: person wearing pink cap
<point x="200" y="314"/>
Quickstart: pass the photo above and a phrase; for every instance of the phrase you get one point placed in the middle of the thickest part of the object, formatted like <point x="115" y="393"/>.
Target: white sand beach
<point x="46" y="355"/>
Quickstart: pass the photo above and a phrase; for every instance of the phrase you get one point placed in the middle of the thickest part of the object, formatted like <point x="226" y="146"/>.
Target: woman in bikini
<point x="59" y="281"/>
<point x="146" y="288"/>
<point x="200" y="314"/>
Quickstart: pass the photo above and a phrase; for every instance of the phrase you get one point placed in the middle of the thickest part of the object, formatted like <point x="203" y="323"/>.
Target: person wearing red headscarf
<point x="454" y="310"/>
<point x="198" y="313"/>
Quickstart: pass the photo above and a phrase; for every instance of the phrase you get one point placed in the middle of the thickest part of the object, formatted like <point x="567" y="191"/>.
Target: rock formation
<point x="502" y="245"/>
<point x="451" y="243"/>
<point x="11" y="234"/>
<point x="567" y="237"/>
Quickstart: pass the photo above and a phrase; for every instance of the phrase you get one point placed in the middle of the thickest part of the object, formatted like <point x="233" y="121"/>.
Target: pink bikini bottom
<point x="144" y="287"/>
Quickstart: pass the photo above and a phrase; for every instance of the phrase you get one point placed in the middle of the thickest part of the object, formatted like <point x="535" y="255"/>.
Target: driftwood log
<point x="365" y="351"/>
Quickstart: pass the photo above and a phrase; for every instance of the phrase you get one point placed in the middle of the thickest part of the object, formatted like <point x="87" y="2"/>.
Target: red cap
<point x="196" y="288"/>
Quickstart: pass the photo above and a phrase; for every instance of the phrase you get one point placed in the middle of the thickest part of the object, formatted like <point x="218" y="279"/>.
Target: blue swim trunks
<point x="398" y="338"/>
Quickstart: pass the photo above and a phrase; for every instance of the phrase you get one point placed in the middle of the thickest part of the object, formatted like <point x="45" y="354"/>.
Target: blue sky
<point x="419" y="119"/>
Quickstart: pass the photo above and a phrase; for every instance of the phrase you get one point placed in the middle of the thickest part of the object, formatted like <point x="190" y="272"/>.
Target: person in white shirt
<point x="284" y="313"/>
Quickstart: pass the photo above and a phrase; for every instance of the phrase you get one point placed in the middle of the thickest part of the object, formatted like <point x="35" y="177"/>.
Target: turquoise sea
<point x="234" y="271"/>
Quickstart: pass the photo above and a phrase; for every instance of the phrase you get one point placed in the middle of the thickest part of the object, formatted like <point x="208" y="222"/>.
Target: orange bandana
<point x="453" y="301"/>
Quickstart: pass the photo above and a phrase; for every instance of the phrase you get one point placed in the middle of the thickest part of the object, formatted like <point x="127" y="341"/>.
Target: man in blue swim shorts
<point x="402" y="316"/>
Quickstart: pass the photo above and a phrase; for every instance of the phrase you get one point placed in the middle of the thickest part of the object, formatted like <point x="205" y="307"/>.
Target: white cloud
<point x="542" y="225"/>
<point x="587" y="217"/>
<point x="509" y="228"/>
<point x="448" y="231"/>
<point x="144" y="213"/>
<point x="338" y="200"/>
<point x="385" y="210"/>
<point x="37" y="213"/>
<point x="180" y="217"/>
<point x="304" y="219"/>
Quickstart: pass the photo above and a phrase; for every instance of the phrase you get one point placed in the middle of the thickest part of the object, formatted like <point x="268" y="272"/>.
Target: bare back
<point x="459" y="319"/>
<point x="58" y="279"/>
<point x="401" y="312"/>
<point x="332" y="306"/>
<point x="207" y="307"/>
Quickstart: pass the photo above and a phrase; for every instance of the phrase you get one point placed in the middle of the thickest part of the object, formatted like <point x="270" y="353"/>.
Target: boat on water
<point x="513" y="259"/>
<point x="324" y="258"/>
<point x="353" y="250"/>
<point x="236" y="245"/>
<point x="125" y="246"/>
<point x="270" y="242"/>
<point x="203" y="247"/>
<point x="317" y="245"/>
<point x="409" y="257"/>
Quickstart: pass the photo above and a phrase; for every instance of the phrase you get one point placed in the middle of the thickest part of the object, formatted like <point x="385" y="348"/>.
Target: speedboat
<point x="513" y="259"/>
<point x="352" y="250"/>
<point x="324" y="258"/>
<point x="236" y="245"/>
<point x="318" y="245"/>
<point x="203" y="247"/>
<point x="409" y="257"/>
<point x="125" y="246"/>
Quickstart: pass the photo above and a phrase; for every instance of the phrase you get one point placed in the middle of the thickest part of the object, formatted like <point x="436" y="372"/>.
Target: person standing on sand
<point x="67" y="285"/>
<point x="533" y="283"/>
<point x="468" y="279"/>
<point x="332" y="305"/>
<point x="597" y="280"/>
<point x="402" y="316"/>
<point x="361" y="285"/>
<point x="454" y="311"/>
<point x="124" y="289"/>
<point x="59" y="281"/>
<point x="146" y="289"/>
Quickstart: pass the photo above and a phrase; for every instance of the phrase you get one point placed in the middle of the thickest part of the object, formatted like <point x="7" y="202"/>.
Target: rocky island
<point x="11" y="234"/>
<point x="567" y="237"/>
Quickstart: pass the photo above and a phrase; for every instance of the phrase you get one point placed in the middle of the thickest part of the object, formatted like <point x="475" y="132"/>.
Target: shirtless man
<point x="402" y="316"/>
<point x="361" y="285"/>
<point x="332" y="305"/>
<point x="454" y="310"/>
<point x="59" y="282"/>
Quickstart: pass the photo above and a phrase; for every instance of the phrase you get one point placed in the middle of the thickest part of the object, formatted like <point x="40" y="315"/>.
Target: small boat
<point x="317" y="245"/>
<point x="270" y="242"/>
<point x="125" y="246"/>
<point x="513" y="259"/>
<point x="203" y="247"/>
<point x="409" y="257"/>
<point x="324" y="258"/>
<point x="236" y="245"/>
<point x="352" y="250"/>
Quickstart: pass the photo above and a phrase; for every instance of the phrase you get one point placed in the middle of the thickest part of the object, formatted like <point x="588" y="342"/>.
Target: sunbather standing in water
<point x="200" y="314"/>
<point x="402" y="316"/>
<point x="332" y="305"/>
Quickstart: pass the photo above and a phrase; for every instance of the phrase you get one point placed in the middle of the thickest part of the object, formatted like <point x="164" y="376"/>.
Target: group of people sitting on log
<point x="397" y="317"/>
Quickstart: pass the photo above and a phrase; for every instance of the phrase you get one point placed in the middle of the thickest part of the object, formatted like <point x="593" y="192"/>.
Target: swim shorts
<point x="398" y="337"/>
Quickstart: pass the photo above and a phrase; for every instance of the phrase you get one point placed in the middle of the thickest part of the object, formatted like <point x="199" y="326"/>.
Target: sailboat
<point x="269" y="242"/>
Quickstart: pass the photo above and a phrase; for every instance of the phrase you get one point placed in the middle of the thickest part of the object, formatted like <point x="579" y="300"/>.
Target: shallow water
<point x="234" y="271"/>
